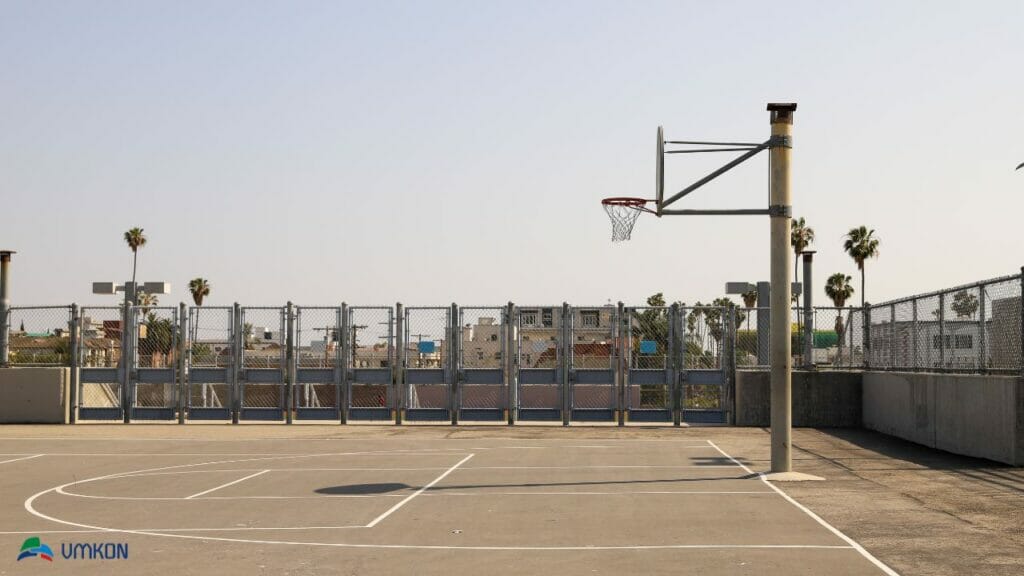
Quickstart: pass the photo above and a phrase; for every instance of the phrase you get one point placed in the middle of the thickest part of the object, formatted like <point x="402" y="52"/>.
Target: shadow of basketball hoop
<point x="362" y="489"/>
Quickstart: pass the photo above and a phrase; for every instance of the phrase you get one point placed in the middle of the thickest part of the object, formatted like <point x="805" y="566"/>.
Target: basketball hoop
<point x="623" y="212"/>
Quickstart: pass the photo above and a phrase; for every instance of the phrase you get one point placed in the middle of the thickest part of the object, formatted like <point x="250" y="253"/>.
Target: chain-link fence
<point x="100" y="351"/>
<point x="39" y="336"/>
<point x="971" y="328"/>
<point x="649" y="341"/>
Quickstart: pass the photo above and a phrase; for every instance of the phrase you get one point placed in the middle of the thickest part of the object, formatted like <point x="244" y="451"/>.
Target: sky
<point x="438" y="152"/>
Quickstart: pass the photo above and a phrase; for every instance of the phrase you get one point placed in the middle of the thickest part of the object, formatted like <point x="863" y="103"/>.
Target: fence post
<point x="866" y="312"/>
<point x="942" y="332"/>
<point x="237" y="345"/>
<point x="1020" y="352"/>
<point x="127" y="354"/>
<point x="892" y="336"/>
<point x="729" y="358"/>
<point x="5" y="308"/>
<point x="808" y="259"/>
<point x="454" y="358"/>
<point x="183" y="386"/>
<point x="343" y="352"/>
<point x="915" y="336"/>
<point x="677" y="358"/>
<point x="622" y="339"/>
<point x="982" y="336"/>
<point x="398" y="370"/>
<point x="74" y="341"/>
<point x="289" y="361"/>
<point x="511" y="356"/>
<point x="568" y="347"/>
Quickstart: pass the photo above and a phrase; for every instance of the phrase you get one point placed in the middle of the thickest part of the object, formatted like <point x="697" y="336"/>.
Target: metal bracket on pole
<point x="780" y="210"/>
<point x="780" y="141"/>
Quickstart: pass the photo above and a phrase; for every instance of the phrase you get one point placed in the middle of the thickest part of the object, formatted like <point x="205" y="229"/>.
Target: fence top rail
<point x="979" y="284"/>
<point x="193" y="307"/>
<point x="301" y="307"/>
<point x="282" y="307"/>
<point x="371" y="307"/>
<point x="55" y="307"/>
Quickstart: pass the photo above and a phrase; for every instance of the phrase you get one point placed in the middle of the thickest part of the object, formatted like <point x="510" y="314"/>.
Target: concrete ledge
<point x="34" y="395"/>
<point x="973" y="415"/>
<point x="820" y="399"/>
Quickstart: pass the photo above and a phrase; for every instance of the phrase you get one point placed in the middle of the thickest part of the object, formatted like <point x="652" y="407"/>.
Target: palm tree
<point x="135" y="239"/>
<point x="838" y="289"/>
<point x="749" y="298"/>
<point x="861" y="244"/>
<point x="800" y="237"/>
<point x="146" y="301"/>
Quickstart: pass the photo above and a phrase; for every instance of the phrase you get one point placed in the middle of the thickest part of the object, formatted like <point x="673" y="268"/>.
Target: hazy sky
<point x="432" y="152"/>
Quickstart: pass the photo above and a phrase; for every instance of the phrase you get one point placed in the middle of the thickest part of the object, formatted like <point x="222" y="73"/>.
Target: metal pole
<point x="942" y="331"/>
<point x="73" y="345"/>
<point x="1020" y="335"/>
<point x="5" y="308"/>
<point x="343" y="359"/>
<point x="677" y="359"/>
<point x="780" y="344"/>
<point x="866" y="312"/>
<point x="892" y="336"/>
<point x="511" y="361"/>
<point x="567" y="346"/>
<point x="127" y="356"/>
<point x="808" y="259"/>
<point x="621" y="338"/>
<point x="182" y="364"/>
<point x="237" y="346"/>
<point x="398" y="371"/>
<point x="915" y="336"/>
<point x="983" y="345"/>
<point x="454" y="348"/>
<point x="289" y="359"/>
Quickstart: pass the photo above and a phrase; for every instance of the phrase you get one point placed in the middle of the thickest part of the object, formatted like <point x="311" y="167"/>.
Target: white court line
<point x="418" y="492"/>
<point x="853" y="544"/>
<point x="232" y="483"/>
<point x="431" y="494"/>
<point x="23" y="458"/>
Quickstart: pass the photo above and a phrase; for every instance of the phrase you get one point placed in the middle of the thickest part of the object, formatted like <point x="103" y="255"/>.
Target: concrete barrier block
<point x="34" y="395"/>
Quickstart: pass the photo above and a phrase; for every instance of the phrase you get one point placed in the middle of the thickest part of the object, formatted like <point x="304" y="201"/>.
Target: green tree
<point x="861" y="244"/>
<point x="965" y="304"/>
<point x="135" y="240"/>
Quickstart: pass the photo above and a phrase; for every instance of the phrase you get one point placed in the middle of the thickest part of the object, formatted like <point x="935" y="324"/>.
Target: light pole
<point x="130" y="290"/>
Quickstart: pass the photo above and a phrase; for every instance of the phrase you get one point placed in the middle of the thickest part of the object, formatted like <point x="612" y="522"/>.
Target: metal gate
<point x="212" y="342"/>
<point x="650" y="352"/>
<point x="153" y="379"/>
<point x="370" y="362"/>
<point x="707" y="330"/>
<point x="427" y="338"/>
<point x="261" y="387"/>
<point x="317" y="388"/>
<point x="593" y="363"/>
<point x="540" y="336"/>
<point x="482" y="359"/>
<point x="101" y="370"/>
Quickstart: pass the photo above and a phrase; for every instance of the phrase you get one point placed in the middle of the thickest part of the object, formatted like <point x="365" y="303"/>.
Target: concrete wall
<point x="34" y="395"/>
<point x="820" y="399"/>
<point x="974" y="415"/>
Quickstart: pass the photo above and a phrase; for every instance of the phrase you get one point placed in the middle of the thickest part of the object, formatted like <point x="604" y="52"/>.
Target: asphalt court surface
<point x="423" y="503"/>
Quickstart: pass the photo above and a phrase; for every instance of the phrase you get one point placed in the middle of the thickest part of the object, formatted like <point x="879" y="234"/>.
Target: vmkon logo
<point x="34" y="548"/>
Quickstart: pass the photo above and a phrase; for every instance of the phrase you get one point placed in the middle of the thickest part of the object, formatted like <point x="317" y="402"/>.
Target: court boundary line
<point x="837" y="532"/>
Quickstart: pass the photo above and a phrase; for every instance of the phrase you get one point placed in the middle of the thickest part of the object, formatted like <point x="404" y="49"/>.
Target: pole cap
<point x="782" y="111"/>
<point x="5" y="255"/>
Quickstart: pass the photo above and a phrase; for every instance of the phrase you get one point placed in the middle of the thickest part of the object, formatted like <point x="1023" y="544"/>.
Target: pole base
<point x="792" y="477"/>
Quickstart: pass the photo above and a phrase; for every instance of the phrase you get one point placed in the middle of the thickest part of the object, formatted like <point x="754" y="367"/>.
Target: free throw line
<point x="406" y="500"/>
<point x="232" y="483"/>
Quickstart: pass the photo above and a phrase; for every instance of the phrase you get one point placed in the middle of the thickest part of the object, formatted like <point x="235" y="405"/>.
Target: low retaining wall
<point x="820" y="399"/>
<point x="34" y="395"/>
<point x="973" y="415"/>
